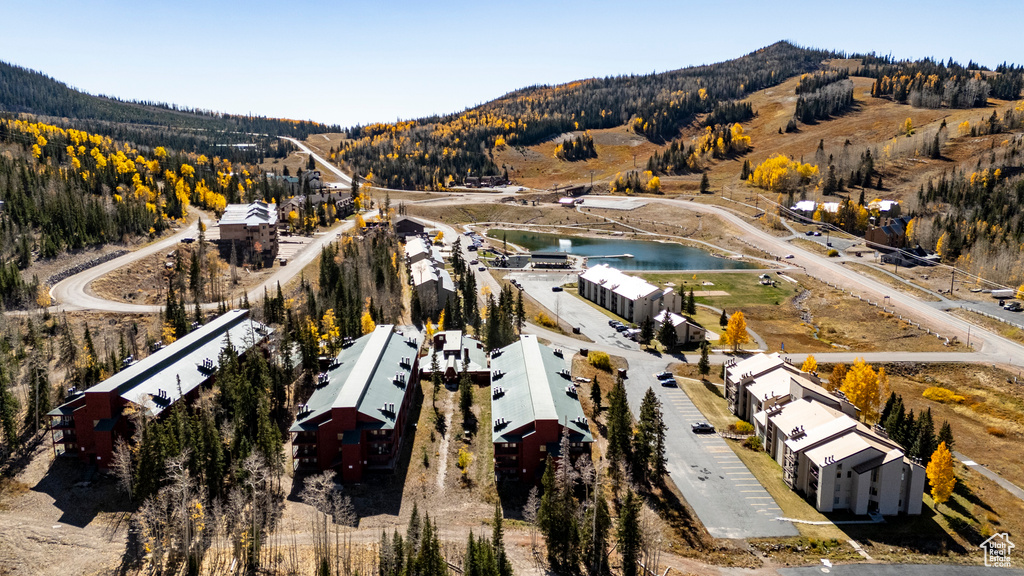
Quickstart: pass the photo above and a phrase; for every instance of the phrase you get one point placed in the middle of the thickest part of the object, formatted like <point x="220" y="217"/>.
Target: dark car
<point x="810" y="233"/>
<point x="622" y="328"/>
<point x="482" y="268"/>
<point x="669" y="382"/>
<point x="556" y="288"/>
<point x="664" y="375"/>
<point x="702" y="428"/>
<point x="612" y="323"/>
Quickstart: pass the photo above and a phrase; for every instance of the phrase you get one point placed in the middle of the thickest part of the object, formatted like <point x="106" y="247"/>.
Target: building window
<point x="836" y="500"/>
<point x="849" y="474"/>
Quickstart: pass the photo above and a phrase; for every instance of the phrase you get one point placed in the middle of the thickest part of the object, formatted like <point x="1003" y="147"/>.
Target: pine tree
<point x="8" y="409"/>
<point x="520" y="312"/>
<point x="723" y="320"/>
<point x="595" y="397"/>
<point x="628" y="533"/>
<point x="704" y="364"/>
<point x="691" y="304"/>
<point x="667" y="334"/>
<point x="649" y="440"/>
<point x="465" y="394"/>
<point x="646" y="331"/>
<point x="619" y="422"/>
<point x="946" y="435"/>
<point x="435" y="377"/>
<point x="704" y="184"/>
<point x="503" y="564"/>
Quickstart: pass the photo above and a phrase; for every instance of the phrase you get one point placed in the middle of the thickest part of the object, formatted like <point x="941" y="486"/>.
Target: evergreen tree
<point x="619" y="422"/>
<point x="435" y="377"/>
<point x="595" y="397"/>
<point x="691" y="304"/>
<point x="629" y="534"/>
<point x="704" y="364"/>
<point x="723" y="320"/>
<point x="557" y="520"/>
<point x="946" y="435"/>
<point x="649" y="441"/>
<point x="8" y="409"/>
<point x="466" y="394"/>
<point x="503" y="564"/>
<point x="520" y="313"/>
<point x="667" y="334"/>
<point x="704" y="184"/>
<point x="887" y="409"/>
<point x="595" y="526"/>
<point x="646" y="330"/>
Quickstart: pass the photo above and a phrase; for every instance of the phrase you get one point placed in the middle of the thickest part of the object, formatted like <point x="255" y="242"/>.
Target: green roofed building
<point x="355" y="418"/>
<point x="532" y="399"/>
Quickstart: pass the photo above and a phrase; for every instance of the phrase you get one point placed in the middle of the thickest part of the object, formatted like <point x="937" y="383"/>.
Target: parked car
<point x="788" y="256"/>
<point x="702" y="428"/>
<point x="556" y="288"/>
<point x="810" y="233"/>
<point x="816" y="233"/>
<point x="664" y="375"/>
<point x="612" y="323"/>
<point x="474" y="262"/>
<point x="621" y="328"/>
<point x="1013" y="306"/>
<point x="669" y="382"/>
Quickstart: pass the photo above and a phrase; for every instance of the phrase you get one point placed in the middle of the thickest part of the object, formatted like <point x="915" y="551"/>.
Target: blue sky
<point x="356" y="62"/>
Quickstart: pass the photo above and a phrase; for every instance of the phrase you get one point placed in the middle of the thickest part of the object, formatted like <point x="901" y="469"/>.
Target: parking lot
<point x="571" y="309"/>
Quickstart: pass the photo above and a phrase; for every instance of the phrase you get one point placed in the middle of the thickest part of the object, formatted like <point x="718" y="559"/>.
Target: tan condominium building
<point x="253" y="225"/>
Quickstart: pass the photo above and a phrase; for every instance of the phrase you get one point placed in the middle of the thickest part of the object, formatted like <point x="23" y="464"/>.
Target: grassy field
<point x="744" y="288"/>
<point x="991" y="324"/>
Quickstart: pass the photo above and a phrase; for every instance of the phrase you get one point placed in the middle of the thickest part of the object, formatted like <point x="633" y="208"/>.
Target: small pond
<point x="621" y="253"/>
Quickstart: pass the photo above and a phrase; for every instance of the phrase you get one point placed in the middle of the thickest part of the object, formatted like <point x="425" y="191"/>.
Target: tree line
<point x="579" y="148"/>
<point x="427" y="152"/>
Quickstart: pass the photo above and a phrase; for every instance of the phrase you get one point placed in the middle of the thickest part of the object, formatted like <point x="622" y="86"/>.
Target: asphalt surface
<point x="345" y="178"/>
<point x="74" y="293"/>
<point x="900" y="570"/>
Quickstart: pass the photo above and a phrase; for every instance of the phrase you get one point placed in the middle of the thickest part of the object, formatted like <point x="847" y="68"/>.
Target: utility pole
<point x="951" y="277"/>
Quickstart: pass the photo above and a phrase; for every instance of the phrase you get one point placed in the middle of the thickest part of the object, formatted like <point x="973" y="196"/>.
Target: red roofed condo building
<point x="355" y="419"/>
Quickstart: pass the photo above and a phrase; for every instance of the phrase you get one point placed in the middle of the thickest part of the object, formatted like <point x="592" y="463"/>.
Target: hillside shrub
<point x="600" y="360"/>
<point x="943" y="395"/>
<point x="741" y="427"/>
<point x="545" y="320"/>
<point x="996" y="431"/>
<point x="753" y="442"/>
<point x="833" y="253"/>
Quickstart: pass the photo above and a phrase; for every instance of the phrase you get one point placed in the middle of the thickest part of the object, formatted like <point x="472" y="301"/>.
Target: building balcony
<point x="302" y="438"/>
<point x="64" y="437"/>
<point x="62" y="423"/>
<point x="303" y="451"/>
<point x="304" y="464"/>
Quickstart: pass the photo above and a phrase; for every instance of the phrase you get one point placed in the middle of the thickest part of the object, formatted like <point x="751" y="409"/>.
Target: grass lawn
<point x="743" y="288"/>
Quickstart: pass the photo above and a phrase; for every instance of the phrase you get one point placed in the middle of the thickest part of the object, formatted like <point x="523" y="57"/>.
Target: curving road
<point x="345" y="178"/>
<point x="74" y="293"/>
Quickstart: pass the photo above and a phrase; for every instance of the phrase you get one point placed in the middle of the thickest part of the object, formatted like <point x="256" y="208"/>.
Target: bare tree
<point x="318" y="494"/>
<point x="122" y="466"/>
<point x="586" y="472"/>
<point x="530" y="510"/>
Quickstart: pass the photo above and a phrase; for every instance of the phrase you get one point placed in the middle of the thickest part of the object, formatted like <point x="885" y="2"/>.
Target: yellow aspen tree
<point x="837" y="377"/>
<point x="941" y="475"/>
<point x="367" y="321"/>
<point x="440" y="322"/>
<point x="810" y="364"/>
<point x="736" y="331"/>
<point x="908" y="127"/>
<point x="861" y="387"/>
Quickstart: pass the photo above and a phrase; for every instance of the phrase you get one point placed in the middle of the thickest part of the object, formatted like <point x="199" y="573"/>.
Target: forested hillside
<point x="66" y="189"/>
<point x="430" y="152"/>
<point x="149" y="124"/>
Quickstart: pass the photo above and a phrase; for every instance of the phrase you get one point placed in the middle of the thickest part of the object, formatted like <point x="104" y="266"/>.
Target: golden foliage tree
<point x="940" y="474"/>
<point x="837" y="377"/>
<point x="367" y="321"/>
<point x="862" y="387"/>
<point x="736" y="331"/>
<point x="780" y="174"/>
<point x="810" y="364"/>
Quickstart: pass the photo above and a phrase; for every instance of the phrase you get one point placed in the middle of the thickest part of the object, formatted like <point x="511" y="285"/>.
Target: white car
<point x="788" y="256"/>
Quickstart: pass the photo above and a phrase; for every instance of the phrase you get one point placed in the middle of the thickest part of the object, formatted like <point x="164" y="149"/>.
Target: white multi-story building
<point x="826" y="454"/>
<point x="635" y="299"/>
<point x="255" y="225"/>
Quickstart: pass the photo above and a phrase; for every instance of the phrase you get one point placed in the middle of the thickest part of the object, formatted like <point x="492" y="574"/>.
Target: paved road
<point x="74" y="293"/>
<point x="1009" y="486"/>
<point x="345" y="178"/>
<point x="901" y="570"/>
